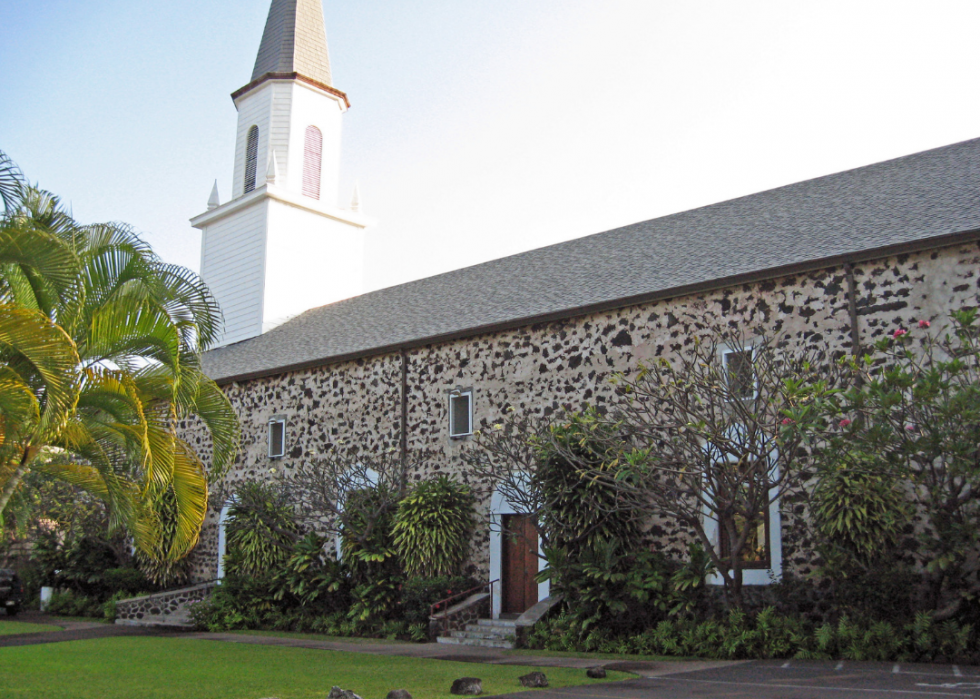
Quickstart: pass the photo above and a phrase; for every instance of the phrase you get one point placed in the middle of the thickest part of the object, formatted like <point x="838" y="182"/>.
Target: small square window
<point x="277" y="438"/>
<point x="460" y="413"/>
<point x="740" y="372"/>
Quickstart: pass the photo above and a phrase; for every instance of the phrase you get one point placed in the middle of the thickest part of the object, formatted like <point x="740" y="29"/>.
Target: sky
<point x="483" y="129"/>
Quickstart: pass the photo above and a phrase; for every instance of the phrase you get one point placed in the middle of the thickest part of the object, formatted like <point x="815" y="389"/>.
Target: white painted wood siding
<point x="255" y="109"/>
<point x="311" y="260"/>
<point x="233" y="254"/>
<point x="311" y="107"/>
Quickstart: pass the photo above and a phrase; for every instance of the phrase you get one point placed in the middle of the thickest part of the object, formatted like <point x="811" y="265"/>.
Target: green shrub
<point x="70" y="603"/>
<point x="771" y="635"/>
<point x="432" y="527"/>
<point x="311" y="580"/>
<point x="261" y="529"/>
<point x="367" y="543"/>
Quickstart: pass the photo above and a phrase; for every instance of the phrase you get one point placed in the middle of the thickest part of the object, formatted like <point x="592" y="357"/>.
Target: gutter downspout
<point x="852" y="310"/>
<point x="403" y="437"/>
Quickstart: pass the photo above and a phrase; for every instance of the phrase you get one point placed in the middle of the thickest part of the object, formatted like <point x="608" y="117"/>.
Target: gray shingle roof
<point x="294" y="41"/>
<point x="907" y="201"/>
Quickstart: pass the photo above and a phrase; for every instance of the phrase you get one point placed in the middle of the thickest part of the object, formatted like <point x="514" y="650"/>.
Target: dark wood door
<point x="520" y="564"/>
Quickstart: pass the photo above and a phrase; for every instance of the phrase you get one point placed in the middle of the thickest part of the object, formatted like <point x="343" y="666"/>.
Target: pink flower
<point x="924" y="324"/>
<point x="910" y="428"/>
<point x="844" y="423"/>
<point x="787" y="421"/>
<point x="898" y="333"/>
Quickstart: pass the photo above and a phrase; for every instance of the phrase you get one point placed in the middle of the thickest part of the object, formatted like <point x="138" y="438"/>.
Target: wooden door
<point x="520" y="564"/>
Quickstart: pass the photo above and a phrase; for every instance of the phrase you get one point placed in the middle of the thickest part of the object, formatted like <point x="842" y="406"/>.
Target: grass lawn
<point x="9" y="627"/>
<point x="152" y="668"/>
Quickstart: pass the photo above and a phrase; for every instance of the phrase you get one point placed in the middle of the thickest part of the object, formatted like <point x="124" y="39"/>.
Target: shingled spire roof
<point x="294" y="41"/>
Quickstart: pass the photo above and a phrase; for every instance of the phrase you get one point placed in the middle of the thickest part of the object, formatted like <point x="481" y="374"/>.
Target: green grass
<point x="9" y="628"/>
<point x="158" y="668"/>
<point x="316" y="637"/>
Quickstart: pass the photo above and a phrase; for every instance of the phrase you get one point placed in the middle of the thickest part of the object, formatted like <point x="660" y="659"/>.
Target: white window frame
<point x="725" y="351"/>
<point x="459" y="393"/>
<point x="276" y="421"/>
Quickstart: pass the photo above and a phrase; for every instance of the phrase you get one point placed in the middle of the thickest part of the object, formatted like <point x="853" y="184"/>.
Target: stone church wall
<point x="568" y="364"/>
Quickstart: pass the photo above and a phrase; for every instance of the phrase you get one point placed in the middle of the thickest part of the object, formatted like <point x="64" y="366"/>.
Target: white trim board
<point x="499" y="506"/>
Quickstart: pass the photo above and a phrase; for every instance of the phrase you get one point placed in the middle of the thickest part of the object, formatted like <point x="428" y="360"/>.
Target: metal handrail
<point x="445" y="614"/>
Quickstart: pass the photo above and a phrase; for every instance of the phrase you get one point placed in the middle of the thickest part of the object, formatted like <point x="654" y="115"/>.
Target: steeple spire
<point x="294" y="41"/>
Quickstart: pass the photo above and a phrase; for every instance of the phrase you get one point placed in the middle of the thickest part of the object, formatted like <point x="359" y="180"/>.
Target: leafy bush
<point x="432" y="527"/>
<point x="261" y="529"/>
<point x="311" y="580"/>
<point x="367" y="543"/>
<point x="771" y="635"/>
<point x="70" y="603"/>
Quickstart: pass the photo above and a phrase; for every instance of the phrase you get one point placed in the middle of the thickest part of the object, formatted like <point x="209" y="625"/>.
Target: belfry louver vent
<point x="312" y="157"/>
<point x="251" y="156"/>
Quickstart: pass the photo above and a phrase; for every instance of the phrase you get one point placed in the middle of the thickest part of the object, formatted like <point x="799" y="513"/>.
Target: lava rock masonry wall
<point x="568" y="364"/>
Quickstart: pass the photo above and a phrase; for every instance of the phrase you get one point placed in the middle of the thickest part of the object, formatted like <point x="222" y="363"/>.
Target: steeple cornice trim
<point x="284" y="196"/>
<point x="290" y="76"/>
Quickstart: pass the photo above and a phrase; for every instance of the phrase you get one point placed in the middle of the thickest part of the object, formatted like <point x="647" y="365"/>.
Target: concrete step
<point x="490" y="631"/>
<point x="501" y="623"/>
<point x="492" y="634"/>
<point x="479" y="642"/>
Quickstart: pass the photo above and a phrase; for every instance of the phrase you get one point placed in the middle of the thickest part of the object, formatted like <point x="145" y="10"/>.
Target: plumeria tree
<point x="714" y="441"/>
<point x="911" y="421"/>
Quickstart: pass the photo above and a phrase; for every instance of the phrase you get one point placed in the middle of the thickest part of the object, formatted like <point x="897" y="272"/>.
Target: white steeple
<point x="282" y="245"/>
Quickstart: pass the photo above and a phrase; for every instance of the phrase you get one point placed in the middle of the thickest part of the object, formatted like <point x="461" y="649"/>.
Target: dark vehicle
<point x="11" y="591"/>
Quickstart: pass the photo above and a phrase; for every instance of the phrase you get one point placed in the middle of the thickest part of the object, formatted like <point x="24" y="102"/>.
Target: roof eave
<point x="299" y="77"/>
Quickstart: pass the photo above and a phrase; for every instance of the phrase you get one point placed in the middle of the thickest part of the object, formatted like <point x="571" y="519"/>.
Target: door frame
<point x="499" y="506"/>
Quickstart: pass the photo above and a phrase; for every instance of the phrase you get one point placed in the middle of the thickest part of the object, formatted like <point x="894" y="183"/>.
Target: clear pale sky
<point x="481" y="129"/>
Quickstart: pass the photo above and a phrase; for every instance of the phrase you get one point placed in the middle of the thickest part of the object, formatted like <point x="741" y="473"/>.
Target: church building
<point x="310" y="361"/>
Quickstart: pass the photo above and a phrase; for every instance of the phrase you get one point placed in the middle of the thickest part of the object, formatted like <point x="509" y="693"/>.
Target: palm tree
<point x="100" y="346"/>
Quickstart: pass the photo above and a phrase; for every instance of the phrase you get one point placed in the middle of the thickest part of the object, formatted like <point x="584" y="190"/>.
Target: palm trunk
<point x="15" y="478"/>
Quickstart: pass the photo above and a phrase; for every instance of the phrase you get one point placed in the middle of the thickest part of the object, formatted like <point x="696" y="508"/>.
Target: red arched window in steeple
<point x="312" y="156"/>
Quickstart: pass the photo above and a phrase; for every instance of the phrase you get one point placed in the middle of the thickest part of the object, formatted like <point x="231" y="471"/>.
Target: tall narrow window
<point x="461" y="413"/>
<point x="277" y="437"/>
<point x="251" y="157"/>
<point x="740" y="372"/>
<point x="312" y="155"/>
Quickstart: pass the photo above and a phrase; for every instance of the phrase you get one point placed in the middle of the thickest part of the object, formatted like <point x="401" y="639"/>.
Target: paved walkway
<point x="71" y="630"/>
<point x="465" y="654"/>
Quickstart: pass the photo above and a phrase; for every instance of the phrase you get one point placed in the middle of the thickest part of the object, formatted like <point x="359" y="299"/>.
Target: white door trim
<point x="499" y="506"/>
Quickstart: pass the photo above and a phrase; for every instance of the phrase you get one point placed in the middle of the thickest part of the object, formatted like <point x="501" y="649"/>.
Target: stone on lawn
<point x="534" y="679"/>
<point x="467" y="685"/>
<point x="338" y="693"/>
<point x="399" y="694"/>
<point x="596" y="673"/>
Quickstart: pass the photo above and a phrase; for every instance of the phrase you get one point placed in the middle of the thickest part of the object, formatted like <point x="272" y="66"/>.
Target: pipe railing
<point x="445" y="605"/>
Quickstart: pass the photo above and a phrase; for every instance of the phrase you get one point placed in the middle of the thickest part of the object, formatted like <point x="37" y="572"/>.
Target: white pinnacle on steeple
<point x="213" y="201"/>
<point x="272" y="172"/>
<point x="355" y="200"/>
